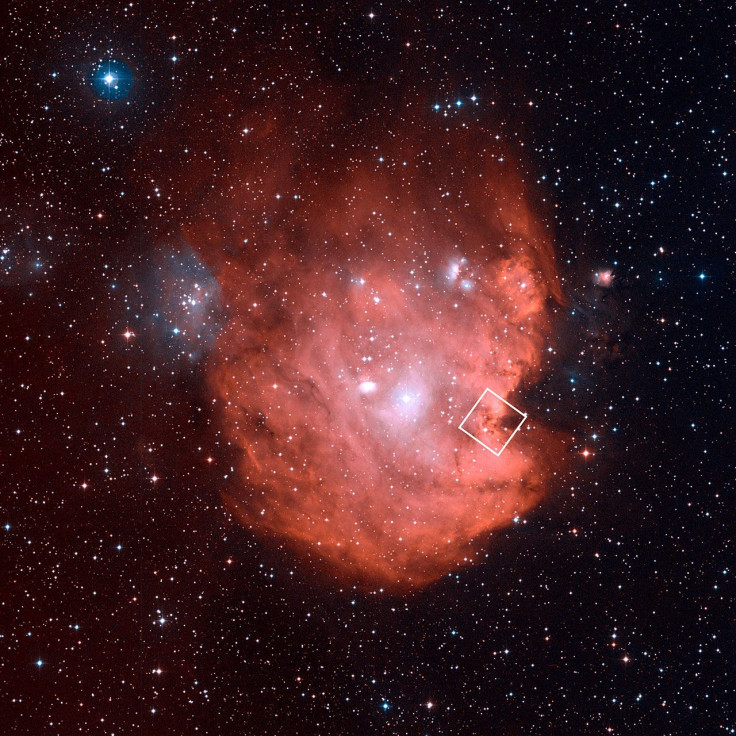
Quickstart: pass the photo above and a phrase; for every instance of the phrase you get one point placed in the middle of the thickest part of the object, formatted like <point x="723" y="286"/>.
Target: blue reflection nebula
<point x="112" y="80"/>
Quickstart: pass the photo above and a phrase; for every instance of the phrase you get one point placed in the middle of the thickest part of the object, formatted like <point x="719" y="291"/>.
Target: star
<point x="112" y="79"/>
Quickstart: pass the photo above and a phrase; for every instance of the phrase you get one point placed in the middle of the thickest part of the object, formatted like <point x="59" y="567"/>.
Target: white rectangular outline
<point x="472" y="436"/>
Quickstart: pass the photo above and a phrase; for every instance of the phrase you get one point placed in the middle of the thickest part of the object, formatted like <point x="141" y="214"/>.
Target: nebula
<point x="376" y="280"/>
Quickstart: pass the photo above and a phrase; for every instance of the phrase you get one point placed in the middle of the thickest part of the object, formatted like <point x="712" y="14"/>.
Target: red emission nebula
<point x="376" y="281"/>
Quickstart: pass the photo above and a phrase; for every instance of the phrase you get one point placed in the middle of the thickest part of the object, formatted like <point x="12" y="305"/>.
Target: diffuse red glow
<point x="373" y="292"/>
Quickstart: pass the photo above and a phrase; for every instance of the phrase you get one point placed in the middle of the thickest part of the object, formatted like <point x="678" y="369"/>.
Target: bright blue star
<point x="112" y="79"/>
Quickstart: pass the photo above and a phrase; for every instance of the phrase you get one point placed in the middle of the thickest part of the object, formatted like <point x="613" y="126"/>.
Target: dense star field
<point x="259" y="263"/>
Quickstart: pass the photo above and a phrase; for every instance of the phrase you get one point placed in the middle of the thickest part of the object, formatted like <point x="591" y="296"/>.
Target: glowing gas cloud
<point x="376" y="280"/>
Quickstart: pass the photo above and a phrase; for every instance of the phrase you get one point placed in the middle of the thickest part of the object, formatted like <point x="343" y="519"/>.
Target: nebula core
<point x="373" y="291"/>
